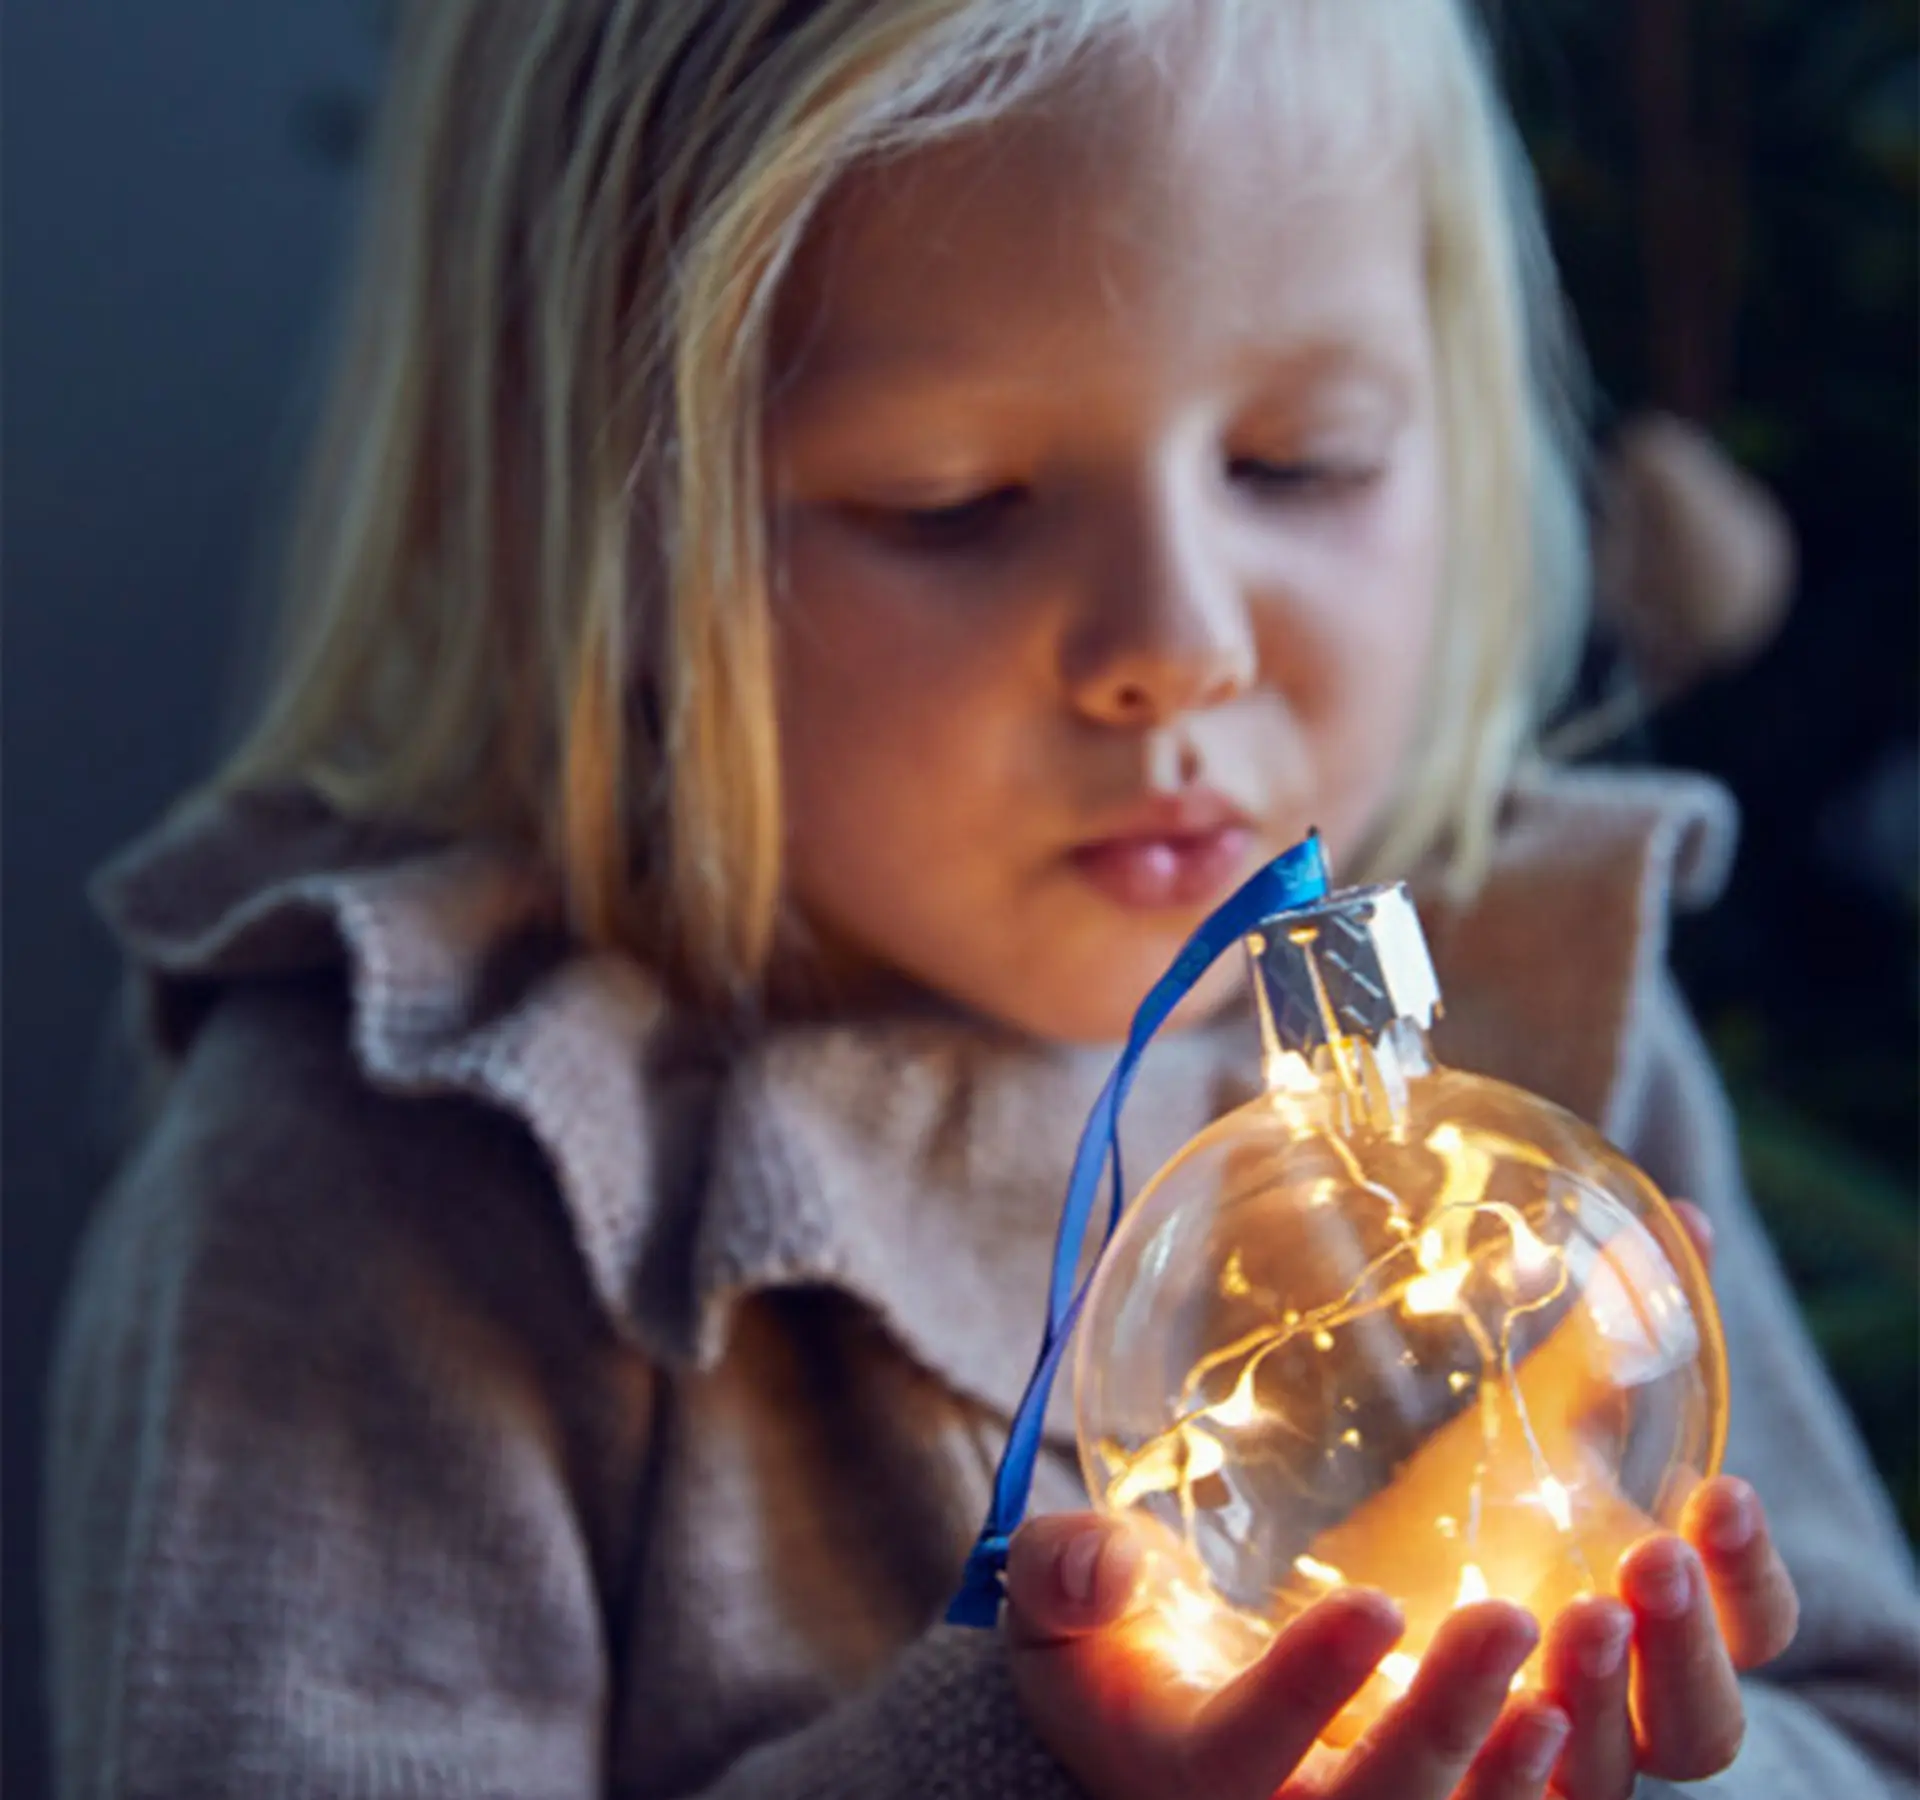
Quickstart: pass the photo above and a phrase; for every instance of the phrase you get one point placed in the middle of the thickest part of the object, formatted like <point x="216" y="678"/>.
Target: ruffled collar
<point x="915" y="1164"/>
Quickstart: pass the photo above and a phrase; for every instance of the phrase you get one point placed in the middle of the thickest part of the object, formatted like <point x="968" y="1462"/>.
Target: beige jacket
<point x="484" y="1381"/>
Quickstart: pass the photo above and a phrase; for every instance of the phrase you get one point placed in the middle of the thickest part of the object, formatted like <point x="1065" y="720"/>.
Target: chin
<point x="1094" y="1004"/>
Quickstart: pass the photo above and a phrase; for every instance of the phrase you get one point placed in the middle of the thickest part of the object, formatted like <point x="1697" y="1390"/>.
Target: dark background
<point x="1734" y="197"/>
<point x="169" y="234"/>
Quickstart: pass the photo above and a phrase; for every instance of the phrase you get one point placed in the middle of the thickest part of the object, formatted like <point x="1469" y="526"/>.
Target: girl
<point x="846" y="527"/>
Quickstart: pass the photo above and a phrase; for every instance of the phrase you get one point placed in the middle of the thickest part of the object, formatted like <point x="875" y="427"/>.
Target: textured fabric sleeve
<point x="1837" y="1715"/>
<point x="346" y="1467"/>
<point x="943" y="1724"/>
<point x="326" y="1374"/>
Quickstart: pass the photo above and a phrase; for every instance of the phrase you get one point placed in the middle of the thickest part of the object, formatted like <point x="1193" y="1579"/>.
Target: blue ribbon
<point x="1292" y="881"/>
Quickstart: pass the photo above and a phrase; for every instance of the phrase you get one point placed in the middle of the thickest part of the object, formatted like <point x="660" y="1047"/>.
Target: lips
<point x="1180" y="852"/>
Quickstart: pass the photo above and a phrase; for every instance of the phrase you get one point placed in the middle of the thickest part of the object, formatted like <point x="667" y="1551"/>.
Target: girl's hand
<point x="1641" y="1685"/>
<point x="1127" y="1727"/>
<point x="1650" y="1684"/>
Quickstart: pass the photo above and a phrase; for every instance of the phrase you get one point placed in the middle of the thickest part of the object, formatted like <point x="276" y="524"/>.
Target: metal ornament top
<point x="1348" y="967"/>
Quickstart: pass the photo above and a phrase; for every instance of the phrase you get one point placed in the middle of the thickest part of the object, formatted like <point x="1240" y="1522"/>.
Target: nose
<point x="1163" y="626"/>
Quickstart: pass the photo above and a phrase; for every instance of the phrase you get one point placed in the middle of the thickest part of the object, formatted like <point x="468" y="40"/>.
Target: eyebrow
<point x="895" y="363"/>
<point x="865" y="390"/>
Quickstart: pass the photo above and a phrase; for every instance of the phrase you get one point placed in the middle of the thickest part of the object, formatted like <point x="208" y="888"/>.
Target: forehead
<point x="1179" y="207"/>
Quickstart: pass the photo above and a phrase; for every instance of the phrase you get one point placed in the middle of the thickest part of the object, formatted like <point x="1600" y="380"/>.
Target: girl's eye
<point x="956" y="525"/>
<point x="1304" y="479"/>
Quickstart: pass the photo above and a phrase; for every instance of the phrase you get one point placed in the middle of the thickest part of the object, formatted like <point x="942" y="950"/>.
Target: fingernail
<point x="1603" y="1652"/>
<point x="1537" y="1742"/>
<point x="1506" y="1649"/>
<point x="1079" y="1566"/>
<point x="1666" y="1589"/>
<point x="1733" y="1529"/>
<point x="1371" y="1623"/>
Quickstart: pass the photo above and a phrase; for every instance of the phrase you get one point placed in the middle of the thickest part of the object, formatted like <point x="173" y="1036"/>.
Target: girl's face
<point x="1106" y="503"/>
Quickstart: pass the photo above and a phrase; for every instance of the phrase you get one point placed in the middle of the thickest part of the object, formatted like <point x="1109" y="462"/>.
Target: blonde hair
<point x="528" y="588"/>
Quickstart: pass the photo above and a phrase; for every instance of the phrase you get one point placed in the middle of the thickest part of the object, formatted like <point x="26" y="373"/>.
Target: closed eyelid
<point x="890" y="459"/>
<point x="1349" y="435"/>
<point x="939" y="451"/>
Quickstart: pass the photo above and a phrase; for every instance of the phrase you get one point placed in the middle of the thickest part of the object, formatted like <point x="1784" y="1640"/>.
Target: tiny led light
<point x="1398" y="1669"/>
<point x="1435" y="1293"/>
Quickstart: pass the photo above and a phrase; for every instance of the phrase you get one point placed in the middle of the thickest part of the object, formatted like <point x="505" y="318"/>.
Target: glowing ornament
<point x="1390" y="1325"/>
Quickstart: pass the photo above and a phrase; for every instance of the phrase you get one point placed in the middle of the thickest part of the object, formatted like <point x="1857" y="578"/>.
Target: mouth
<point x="1179" y="853"/>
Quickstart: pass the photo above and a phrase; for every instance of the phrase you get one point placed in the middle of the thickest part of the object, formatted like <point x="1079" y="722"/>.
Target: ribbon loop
<point x="1296" y="879"/>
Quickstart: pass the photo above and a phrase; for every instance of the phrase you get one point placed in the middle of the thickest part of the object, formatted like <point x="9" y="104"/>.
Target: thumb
<point x="1069" y="1574"/>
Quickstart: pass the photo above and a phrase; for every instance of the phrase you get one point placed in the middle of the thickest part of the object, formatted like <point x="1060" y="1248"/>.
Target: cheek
<point x="1348" y="643"/>
<point x="889" y="695"/>
<point x="848" y="648"/>
<point x="1392" y="589"/>
<point x="865" y="625"/>
<point x="1393" y="638"/>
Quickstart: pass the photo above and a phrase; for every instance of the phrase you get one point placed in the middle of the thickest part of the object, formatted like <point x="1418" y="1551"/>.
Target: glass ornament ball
<point x="1397" y="1326"/>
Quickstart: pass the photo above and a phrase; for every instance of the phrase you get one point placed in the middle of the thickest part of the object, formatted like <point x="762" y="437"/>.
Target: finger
<point x="1068" y="1574"/>
<point x="1586" y="1675"/>
<point x="1253" y="1734"/>
<point x="1686" y="1697"/>
<point x="1753" y="1595"/>
<point x="1519" y="1754"/>
<point x="1423" y="1746"/>
<point x="1699" y="1230"/>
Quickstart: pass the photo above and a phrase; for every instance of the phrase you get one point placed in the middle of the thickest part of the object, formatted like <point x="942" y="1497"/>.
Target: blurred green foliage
<point x="1734" y="191"/>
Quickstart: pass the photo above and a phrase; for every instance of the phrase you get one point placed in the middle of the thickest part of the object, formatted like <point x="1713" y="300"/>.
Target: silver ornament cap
<point x="1350" y="966"/>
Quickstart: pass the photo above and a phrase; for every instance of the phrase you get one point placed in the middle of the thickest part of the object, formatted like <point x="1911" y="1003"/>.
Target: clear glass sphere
<point x="1443" y="1341"/>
